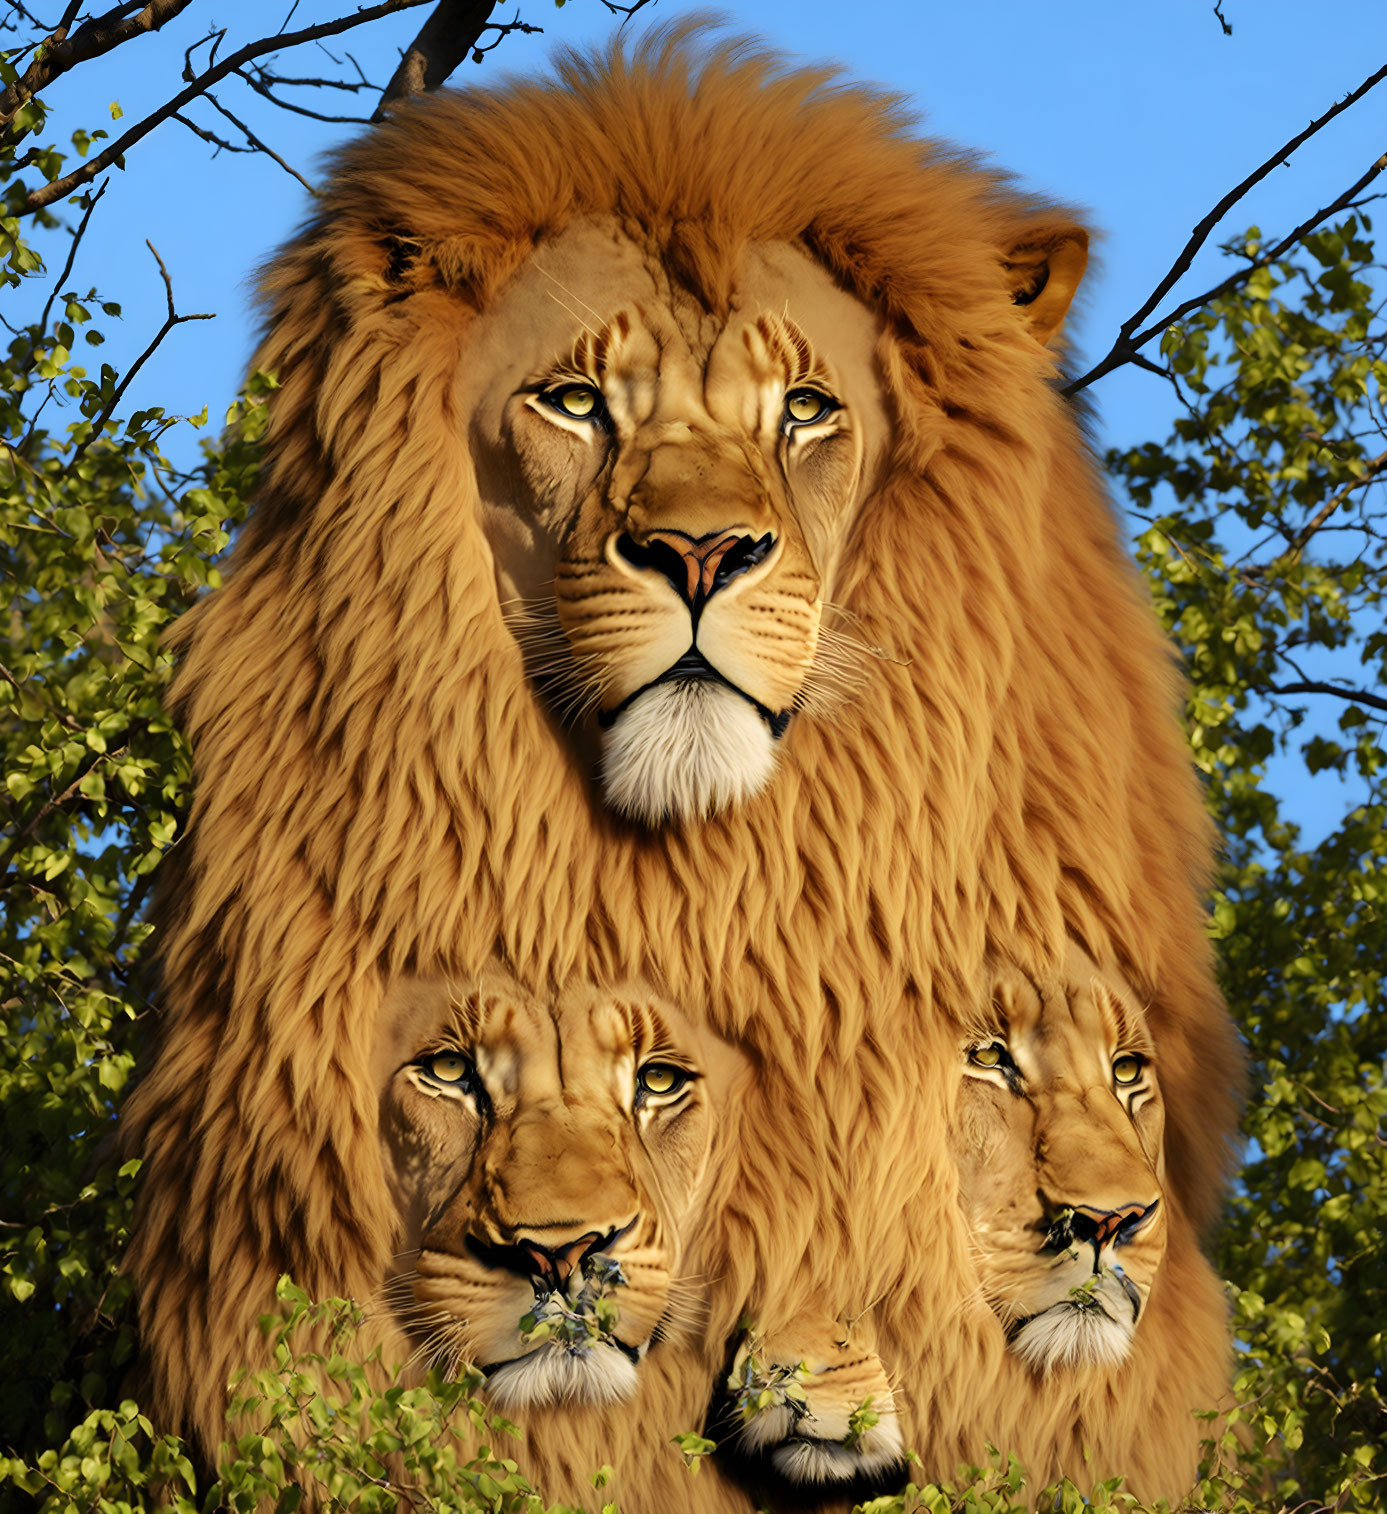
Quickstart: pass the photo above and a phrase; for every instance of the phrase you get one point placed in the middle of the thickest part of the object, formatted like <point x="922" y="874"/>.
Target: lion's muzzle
<point x="697" y="567"/>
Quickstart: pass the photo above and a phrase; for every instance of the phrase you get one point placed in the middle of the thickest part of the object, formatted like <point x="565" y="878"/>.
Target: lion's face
<point x="667" y="494"/>
<point x="1058" y="1142"/>
<point x="548" y="1161"/>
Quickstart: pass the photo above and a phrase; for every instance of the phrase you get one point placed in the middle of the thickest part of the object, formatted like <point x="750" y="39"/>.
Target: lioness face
<point x="547" y="1159"/>
<point x="1058" y="1143"/>
<point x="667" y="494"/>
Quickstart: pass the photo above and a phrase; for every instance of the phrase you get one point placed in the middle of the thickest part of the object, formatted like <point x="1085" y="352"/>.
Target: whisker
<point x="591" y="331"/>
<point x="571" y="293"/>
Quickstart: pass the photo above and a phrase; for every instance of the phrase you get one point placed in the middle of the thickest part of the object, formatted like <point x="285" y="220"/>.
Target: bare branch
<point x="47" y="193"/>
<point x="97" y="36"/>
<point x="1315" y="686"/>
<point x="108" y="409"/>
<point x="255" y="141"/>
<point x="1128" y="341"/>
<point x="206" y="135"/>
<point x="1222" y="20"/>
<point x="260" y="82"/>
<point x="444" y="40"/>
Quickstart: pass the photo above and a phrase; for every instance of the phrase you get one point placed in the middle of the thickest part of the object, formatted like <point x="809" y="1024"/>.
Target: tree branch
<point x="1374" y="466"/>
<point x="1314" y="686"/>
<point x="48" y="807"/>
<point x="1128" y="341"/>
<point x="444" y="40"/>
<point x="108" y="409"/>
<point x="97" y="36"/>
<point x="255" y="141"/>
<point x="71" y="258"/>
<point x="47" y="193"/>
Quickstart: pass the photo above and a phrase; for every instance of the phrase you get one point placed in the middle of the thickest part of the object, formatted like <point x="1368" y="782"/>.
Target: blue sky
<point x="1140" y="112"/>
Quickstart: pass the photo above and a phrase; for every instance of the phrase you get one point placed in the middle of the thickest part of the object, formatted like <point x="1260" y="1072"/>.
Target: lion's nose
<point x="1109" y="1227"/>
<point x="697" y="566"/>
<point x="548" y="1267"/>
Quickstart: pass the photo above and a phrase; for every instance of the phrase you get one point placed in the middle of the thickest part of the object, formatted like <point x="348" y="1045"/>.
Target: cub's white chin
<point x="596" y="1374"/>
<point x="1065" y="1336"/>
<point x="685" y="750"/>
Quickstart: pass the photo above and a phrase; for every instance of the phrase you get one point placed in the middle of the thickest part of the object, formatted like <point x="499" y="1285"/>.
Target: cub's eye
<point x="993" y="1056"/>
<point x="1127" y="1069"/>
<point x="451" y="1067"/>
<point x="803" y="407"/>
<point x="580" y="402"/>
<point x="662" y="1078"/>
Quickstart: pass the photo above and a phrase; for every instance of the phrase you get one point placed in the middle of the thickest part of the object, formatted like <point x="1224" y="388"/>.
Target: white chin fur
<point x="596" y="1374"/>
<point x="809" y="1448"/>
<point x="1068" y="1337"/>
<point x="821" y="1461"/>
<point x="685" y="750"/>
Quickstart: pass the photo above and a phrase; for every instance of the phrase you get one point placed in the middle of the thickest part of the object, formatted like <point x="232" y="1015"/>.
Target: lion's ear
<point x="1043" y="272"/>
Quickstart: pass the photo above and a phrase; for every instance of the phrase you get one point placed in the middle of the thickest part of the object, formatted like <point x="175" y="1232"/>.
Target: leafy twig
<point x="1373" y="467"/>
<point x="173" y="319"/>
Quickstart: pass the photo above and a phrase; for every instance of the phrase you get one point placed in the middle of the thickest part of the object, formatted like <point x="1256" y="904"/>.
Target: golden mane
<point x="378" y="789"/>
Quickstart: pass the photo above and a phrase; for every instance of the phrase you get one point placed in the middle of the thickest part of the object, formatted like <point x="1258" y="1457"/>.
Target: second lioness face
<point x="667" y="494"/>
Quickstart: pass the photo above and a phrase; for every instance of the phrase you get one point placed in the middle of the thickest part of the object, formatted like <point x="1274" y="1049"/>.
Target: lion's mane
<point x="378" y="788"/>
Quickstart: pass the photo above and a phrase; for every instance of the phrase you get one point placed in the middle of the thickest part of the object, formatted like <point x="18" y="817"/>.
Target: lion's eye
<point x="803" y="407"/>
<point x="580" y="402"/>
<point x="452" y="1068"/>
<point x="661" y="1078"/>
<point x="1127" y="1069"/>
<point x="992" y="1055"/>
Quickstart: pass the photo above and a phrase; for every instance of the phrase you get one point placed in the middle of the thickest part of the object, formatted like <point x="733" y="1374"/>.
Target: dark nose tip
<point x="1109" y="1227"/>
<point x="548" y="1267"/>
<point x="696" y="566"/>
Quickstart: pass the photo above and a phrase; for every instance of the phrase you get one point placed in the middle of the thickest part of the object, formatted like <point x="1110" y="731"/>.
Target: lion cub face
<point x="1058" y="1142"/>
<point x="548" y="1160"/>
<point x="667" y="493"/>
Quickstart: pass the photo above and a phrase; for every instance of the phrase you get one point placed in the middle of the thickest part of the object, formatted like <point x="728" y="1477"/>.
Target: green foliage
<point x="1262" y="538"/>
<point x="327" y="1422"/>
<point x="1264" y="547"/>
<point x="1003" y="1488"/>
<point x="102" y="544"/>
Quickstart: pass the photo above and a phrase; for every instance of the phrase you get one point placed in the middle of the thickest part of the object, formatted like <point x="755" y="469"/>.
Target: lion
<point x="1082" y="1252"/>
<point x="551" y="1160"/>
<point x="1059" y="1145"/>
<point x="671" y="552"/>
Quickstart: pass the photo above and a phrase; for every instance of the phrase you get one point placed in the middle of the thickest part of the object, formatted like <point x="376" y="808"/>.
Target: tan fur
<point x="382" y="790"/>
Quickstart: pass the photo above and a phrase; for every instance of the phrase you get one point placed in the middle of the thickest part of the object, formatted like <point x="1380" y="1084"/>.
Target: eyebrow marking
<point x="785" y="341"/>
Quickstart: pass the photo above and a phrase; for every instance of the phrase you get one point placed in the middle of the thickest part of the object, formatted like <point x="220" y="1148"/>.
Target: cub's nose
<point x="1109" y="1227"/>
<point x="697" y="566"/>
